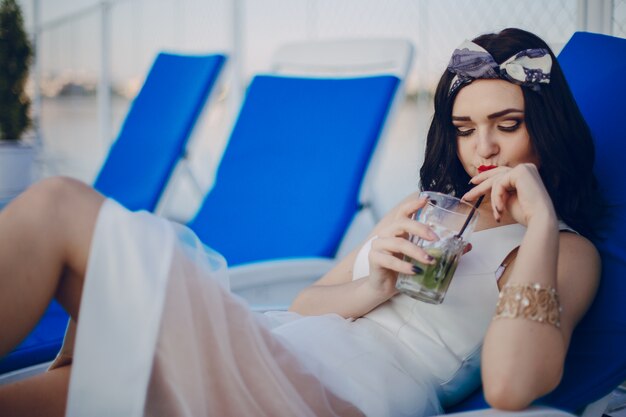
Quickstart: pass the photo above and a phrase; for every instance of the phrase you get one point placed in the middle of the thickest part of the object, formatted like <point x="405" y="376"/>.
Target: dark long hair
<point x="559" y="135"/>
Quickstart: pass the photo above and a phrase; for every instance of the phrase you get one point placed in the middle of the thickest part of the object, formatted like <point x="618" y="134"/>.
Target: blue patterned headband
<point x="527" y="68"/>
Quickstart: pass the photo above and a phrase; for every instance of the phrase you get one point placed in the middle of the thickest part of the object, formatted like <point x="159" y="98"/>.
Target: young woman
<point x="176" y="343"/>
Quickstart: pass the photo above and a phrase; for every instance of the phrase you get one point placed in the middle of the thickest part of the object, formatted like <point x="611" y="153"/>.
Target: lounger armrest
<point x="535" y="411"/>
<point x="280" y="271"/>
<point x="274" y="284"/>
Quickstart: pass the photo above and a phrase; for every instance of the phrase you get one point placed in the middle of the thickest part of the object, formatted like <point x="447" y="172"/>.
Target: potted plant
<point x="16" y="155"/>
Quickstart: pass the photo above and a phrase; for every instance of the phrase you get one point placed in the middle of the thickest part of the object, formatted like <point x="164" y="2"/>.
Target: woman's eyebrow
<point x="503" y="112"/>
<point x="491" y="116"/>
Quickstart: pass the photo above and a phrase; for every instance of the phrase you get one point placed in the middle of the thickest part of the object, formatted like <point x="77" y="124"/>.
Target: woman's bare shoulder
<point x="577" y="248"/>
<point x="579" y="261"/>
<point x="578" y="276"/>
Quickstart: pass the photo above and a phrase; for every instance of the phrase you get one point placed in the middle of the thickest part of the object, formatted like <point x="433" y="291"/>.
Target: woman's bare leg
<point x="45" y="236"/>
<point x="41" y="395"/>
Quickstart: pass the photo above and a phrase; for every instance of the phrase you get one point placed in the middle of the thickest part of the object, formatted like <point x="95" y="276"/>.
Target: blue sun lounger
<point x="288" y="183"/>
<point x="294" y="174"/>
<point x="596" y="362"/>
<point x="140" y="162"/>
<point x="154" y="135"/>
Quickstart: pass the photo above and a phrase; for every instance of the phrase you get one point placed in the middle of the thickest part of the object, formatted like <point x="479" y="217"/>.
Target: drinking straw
<point x="467" y="220"/>
<point x="470" y="215"/>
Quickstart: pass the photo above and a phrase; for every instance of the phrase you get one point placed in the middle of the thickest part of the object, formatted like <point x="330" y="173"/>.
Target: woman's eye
<point x="460" y="131"/>
<point x="509" y="125"/>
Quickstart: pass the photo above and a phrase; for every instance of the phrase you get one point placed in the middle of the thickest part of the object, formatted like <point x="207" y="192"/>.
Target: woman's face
<point x="488" y="116"/>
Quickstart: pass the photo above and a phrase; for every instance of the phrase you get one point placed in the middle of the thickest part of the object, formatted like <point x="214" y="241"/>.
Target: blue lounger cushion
<point x="596" y="363"/>
<point x="288" y="183"/>
<point x="155" y="132"/>
<point x="594" y="66"/>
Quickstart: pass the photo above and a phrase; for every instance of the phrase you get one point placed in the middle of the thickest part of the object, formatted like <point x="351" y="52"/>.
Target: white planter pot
<point x="17" y="166"/>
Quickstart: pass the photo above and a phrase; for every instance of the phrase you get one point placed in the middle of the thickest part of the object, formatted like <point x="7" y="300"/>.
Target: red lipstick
<point x="484" y="168"/>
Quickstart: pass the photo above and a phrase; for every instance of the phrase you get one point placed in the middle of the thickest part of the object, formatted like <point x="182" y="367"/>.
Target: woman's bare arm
<point x="523" y="359"/>
<point x="336" y="292"/>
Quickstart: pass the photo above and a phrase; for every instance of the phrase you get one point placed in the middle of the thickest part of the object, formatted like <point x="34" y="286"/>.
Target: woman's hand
<point x="337" y="292"/>
<point x="389" y="248"/>
<point x="519" y="191"/>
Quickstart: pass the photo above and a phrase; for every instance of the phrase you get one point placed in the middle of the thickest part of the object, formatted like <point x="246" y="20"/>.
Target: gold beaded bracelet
<point x="529" y="301"/>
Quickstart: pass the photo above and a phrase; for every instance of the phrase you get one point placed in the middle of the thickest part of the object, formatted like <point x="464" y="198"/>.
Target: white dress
<point x="159" y="334"/>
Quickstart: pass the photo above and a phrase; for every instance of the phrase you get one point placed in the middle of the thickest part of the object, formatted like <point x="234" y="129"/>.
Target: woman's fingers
<point x="483" y="182"/>
<point x="477" y="179"/>
<point x="497" y="184"/>
<point x="390" y="262"/>
<point x="405" y="227"/>
<point x="478" y="190"/>
<point x="408" y="208"/>
<point x="500" y="193"/>
<point x="519" y="191"/>
<point x="397" y="246"/>
<point x="397" y="222"/>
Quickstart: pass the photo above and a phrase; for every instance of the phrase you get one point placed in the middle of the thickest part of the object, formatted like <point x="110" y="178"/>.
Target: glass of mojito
<point x="445" y="215"/>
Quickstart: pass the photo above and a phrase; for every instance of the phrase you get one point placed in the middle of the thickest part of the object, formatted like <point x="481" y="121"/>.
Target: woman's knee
<point x="59" y="207"/>
<point x="53" y="193"/>
<point x="55" y="198"/>
<point x="61" y="214"/>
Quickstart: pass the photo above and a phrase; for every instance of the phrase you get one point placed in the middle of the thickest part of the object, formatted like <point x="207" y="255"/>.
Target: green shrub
<point x="15" y="58"/>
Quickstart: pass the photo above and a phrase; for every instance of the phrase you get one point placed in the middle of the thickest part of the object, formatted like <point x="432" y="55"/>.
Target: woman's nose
<point x="486" y="145"/>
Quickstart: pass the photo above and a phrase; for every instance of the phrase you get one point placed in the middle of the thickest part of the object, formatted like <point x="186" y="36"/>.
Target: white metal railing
<point x="323" y="19"/>
<point x="619" y="18"/>
<point x="103" y="8"/>
<point x="104" y="84"/>
<point x="595" y="15"/>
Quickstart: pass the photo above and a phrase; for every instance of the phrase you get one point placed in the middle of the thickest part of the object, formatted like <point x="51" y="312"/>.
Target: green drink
<point x="448" y="217"/>
<point x="432" y="283"/>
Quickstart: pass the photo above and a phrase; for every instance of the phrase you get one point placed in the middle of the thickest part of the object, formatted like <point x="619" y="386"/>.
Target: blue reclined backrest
<point x="288" y="183"/>
<point x="139" y="164"/>
<point x="594" y="66"/>
<point x="155" y="132"/>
